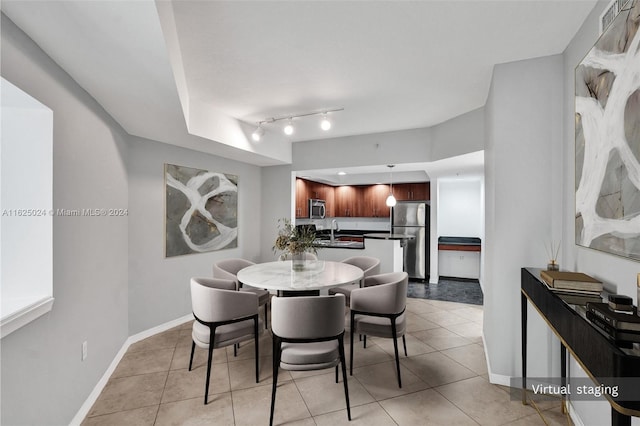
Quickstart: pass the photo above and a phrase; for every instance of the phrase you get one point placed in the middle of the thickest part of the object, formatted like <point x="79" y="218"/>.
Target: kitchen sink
<point x="338" y="243"/>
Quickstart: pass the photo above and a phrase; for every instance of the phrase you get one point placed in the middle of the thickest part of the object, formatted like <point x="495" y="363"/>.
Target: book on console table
<point x="578" y="297"/>
<point x="618" y="320"/>
<point x="615" y="334"/>
<point x="564" y="280"/>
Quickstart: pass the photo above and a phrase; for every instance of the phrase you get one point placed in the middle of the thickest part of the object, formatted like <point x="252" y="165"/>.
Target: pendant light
<point x="391" y="200"/>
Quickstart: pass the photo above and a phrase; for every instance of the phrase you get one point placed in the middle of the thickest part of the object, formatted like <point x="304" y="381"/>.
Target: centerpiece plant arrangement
<point x="293" y="242"/>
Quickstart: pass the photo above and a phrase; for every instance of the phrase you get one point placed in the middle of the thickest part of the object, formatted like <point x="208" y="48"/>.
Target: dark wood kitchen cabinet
<point x="306" y="189"/>
<point x="418" y="191"/>
<point x="375" y="201"/>
<point x="348" y="201"/>
<point x="356" y="200"/>
<point x="302" y="200"/>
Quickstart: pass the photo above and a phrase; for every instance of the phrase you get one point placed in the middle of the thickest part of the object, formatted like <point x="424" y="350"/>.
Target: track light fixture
<point x="288" y="129"/>
<point x="325" y="124"/>
<point x="257" y="134"/>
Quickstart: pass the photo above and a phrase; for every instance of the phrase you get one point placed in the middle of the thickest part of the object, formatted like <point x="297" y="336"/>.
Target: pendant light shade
<point x="391" y="200"/>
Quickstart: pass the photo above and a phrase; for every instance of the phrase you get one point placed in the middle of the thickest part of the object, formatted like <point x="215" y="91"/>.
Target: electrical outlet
<point x="84" y="350"/>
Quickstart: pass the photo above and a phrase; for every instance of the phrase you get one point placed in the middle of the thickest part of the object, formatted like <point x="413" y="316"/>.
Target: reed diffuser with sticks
<point x="553" y="250"/>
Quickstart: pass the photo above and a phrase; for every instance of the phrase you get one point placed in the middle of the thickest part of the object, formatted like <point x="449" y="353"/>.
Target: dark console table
<point x="605" y="361"/>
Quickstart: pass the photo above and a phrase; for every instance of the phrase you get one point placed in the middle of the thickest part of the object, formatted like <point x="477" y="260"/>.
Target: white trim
<point x="496" y="379"/>
<point x="499" y="379"/>
<point x="25" y="315"/>
<point x="97" y="390"/>
<point x="575" y="418"/>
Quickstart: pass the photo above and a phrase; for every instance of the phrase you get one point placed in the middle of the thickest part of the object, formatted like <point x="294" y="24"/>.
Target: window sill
<point x="25" y="315"/>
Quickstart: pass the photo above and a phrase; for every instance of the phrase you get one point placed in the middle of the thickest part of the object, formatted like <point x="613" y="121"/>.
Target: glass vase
<point x="297" y="261"/>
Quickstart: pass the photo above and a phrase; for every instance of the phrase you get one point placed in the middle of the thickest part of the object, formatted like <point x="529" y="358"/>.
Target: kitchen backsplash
<point x="350" y="223"/>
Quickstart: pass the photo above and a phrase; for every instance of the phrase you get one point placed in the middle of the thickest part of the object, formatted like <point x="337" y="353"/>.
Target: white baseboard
<point x="97" y="390"/>
<point x="575" y="418"/>
<point x="500" y="379"/>
<point x="496" y="379"/>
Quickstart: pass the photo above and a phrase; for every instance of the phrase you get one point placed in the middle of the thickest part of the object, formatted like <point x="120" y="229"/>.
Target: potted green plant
<point x="294" y="241"/>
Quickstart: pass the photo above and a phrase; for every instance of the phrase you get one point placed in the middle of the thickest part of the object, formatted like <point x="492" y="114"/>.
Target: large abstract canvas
<point x="201" y="210"/>
<point x="608" y="139"/>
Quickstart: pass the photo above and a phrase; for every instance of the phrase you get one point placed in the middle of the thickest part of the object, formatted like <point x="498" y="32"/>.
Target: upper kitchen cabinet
<point x="306" y="190"/>
<point x="348" y="201"/>
<point x="412" y="191"/>
<point x="302" y="199"/>
<point x="374" y="201"/>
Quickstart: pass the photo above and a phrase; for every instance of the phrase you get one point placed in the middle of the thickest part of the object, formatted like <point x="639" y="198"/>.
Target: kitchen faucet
<point x="334" y="224"/>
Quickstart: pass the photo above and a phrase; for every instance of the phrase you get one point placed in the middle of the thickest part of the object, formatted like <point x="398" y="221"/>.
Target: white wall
<point x="26" y="202"/>
<point x="524" y="135"/>
<point x="44" y="380"/>
<point x="458" y="136"/>
<point x="277" y="185"/>
<point x="459" y="214"/>
<point x="459" y="207"/>
<point x="159" y="286"/>
<point x="617" y="273"/>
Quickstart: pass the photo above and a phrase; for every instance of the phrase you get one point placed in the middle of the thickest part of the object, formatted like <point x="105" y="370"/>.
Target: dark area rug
<point x="448" y="289"/>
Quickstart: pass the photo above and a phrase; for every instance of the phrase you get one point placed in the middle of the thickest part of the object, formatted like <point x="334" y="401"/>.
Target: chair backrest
<point x="215" y="299"/>
<point x="308" y="317"/>
<point x="228" y="268"/>
<point x="306" y="256"/>
<point x="370" y="265"/>
<point x="384" y="293"/>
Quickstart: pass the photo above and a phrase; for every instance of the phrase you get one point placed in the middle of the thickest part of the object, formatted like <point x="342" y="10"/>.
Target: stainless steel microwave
<point x="317" y="209"/>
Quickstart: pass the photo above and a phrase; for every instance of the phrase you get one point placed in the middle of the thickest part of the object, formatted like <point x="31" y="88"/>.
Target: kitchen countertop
<point x="387" y="236"/>
<point x="358" y="245"/>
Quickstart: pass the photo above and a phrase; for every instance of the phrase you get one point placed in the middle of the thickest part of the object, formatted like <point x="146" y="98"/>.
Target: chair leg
<point x="351" y="345"/>
<point x="344" y="375"/>
<point x="365" y="341"/>
<point x="193" y="348"/>
<point x="235" y="350"/>
<point x="336" y="374"/>
<point x="276" y="366"/>
<point x="404" y="343"/>
<point x="209" y="362"/>
<point x="395" y="349"/>
<point x="257" y="349"/>
<point x="266" y="321"/>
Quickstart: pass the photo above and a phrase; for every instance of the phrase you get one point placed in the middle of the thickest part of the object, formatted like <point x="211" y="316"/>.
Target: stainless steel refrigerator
<point x="412" y="218"/>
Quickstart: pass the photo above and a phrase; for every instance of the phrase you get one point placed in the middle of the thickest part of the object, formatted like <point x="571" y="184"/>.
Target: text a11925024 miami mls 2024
<point x="83" y="212"/>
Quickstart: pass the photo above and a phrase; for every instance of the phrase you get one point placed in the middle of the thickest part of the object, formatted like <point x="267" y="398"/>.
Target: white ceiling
<point x="163" y="70"/>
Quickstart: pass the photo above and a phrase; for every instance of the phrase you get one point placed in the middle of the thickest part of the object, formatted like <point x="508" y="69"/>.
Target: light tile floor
<point x="444" y="382"/>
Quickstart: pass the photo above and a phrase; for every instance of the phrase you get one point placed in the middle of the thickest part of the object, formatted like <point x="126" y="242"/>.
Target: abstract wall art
<point x="201" y="210"/>
<point x="607" y="102"/>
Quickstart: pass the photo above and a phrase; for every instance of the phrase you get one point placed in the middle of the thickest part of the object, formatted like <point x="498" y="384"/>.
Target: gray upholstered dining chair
<point x="369" y="265"/>
<point x="301" y="342"/>
<point x="377" y="310"/>
<point x="228" y="270"/>
<point x="224" y="317"/>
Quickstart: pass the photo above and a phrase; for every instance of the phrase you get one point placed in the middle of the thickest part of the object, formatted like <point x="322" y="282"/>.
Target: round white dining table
<point x="317" y="275"/>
